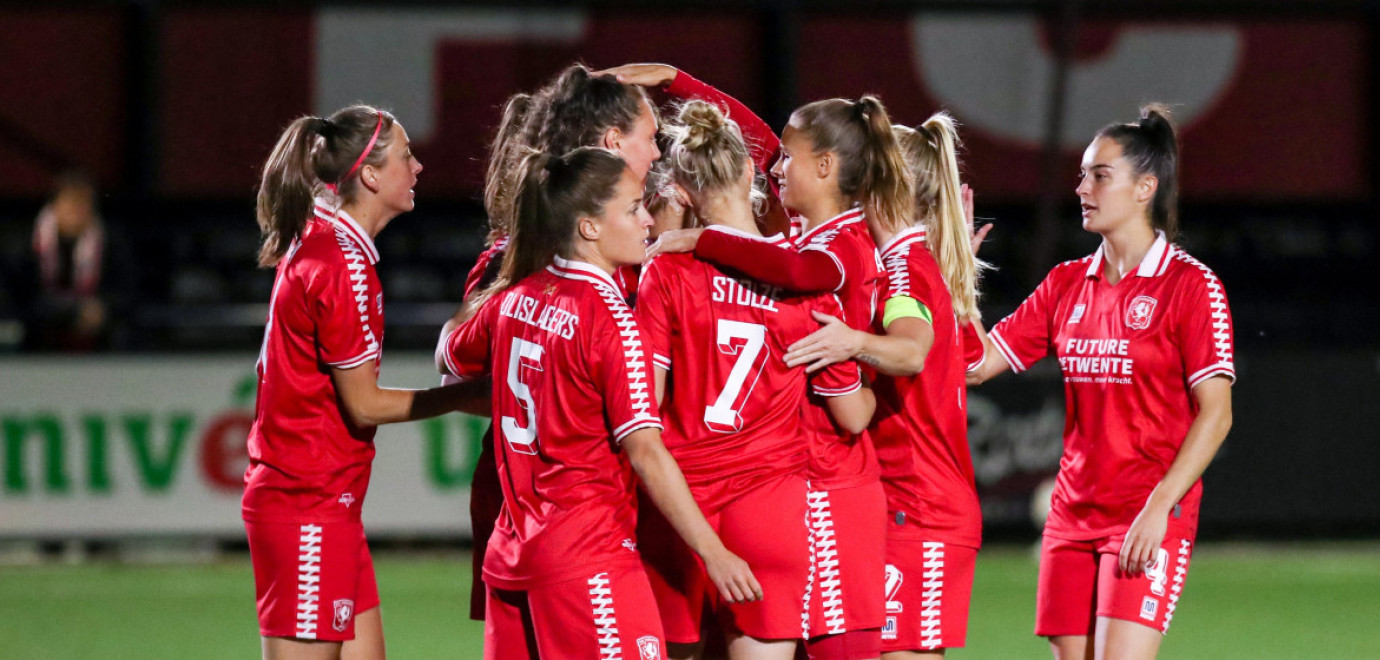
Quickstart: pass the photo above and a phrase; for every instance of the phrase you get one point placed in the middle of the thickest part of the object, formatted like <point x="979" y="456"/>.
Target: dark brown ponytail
<point x="311" y="153"/>
<point x="1151" y="146"/>
<point x="505" y="157"/>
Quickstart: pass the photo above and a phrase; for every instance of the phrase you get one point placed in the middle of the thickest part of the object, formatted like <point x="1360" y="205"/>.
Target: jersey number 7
<point x="744" y="340"/>
<point x="523" y="439"/>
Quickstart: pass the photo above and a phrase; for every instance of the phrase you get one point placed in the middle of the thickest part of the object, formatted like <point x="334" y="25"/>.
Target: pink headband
<point x="334" y="187"/>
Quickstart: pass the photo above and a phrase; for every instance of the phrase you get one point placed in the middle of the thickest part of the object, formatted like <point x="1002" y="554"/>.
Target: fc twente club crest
<point x="1139" y="312"/>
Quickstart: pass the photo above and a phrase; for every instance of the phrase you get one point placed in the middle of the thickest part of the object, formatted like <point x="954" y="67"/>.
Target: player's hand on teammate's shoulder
<point x="676" y="240"/>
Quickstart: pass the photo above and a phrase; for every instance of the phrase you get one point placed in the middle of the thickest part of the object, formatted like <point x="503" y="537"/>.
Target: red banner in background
<point x="1270" y="110"/>
<point x="62" y="96"/>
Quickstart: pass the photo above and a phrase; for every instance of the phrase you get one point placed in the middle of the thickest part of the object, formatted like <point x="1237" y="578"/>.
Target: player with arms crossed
<point x="732" y="408"/>
<point x="318" y="404"/>
<point x="1144" y="339"/>
<point x="571" y="388"/>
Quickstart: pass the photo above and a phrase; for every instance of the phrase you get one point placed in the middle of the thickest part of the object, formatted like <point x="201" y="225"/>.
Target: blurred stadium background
<point x="119" y="505"/>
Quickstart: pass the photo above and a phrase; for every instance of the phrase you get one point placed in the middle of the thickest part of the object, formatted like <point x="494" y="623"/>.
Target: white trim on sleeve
<point x="356" y="361"/>
<point x="1006" y="353"/>
<point x="635" y="424"/>
<point x="1219" y="369"/>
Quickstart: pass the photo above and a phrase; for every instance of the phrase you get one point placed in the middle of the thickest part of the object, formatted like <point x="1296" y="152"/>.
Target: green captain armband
<point x="900" y="307"/>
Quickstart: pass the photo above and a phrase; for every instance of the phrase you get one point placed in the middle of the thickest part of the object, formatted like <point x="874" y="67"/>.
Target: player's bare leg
<point x="742" y="647"/>
<point x="287" y="648"/>
<point x="1125" y="640"/>
<point x="1071" y="647"/>
<point x="368" y="641"/>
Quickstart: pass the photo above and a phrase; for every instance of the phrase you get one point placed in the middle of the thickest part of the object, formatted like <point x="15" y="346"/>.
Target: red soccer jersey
<point x="921" y="425"/>
<point x="733" y="406"/>
<point x="570" y="382"/>
<point x="1131" y="354"/>
<point x="839" y="459"/>
<point x="307" y="462"/>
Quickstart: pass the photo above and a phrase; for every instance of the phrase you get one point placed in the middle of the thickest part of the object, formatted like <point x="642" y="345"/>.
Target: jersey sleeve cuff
<point x="831" y="392"/>
<point x="843" y="274"/>
<point x="661" y="361"/>
<point x="1220" y="369"/>
<point x="635" y="424"/>
<point x="1006" y="353"/>
<point x="444" y="349"/>
<point x="355" y="361"/>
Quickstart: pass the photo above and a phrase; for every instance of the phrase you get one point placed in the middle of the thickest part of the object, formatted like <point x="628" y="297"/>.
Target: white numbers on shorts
<point x="745" y="340"/>
<point x="522" y="439"/>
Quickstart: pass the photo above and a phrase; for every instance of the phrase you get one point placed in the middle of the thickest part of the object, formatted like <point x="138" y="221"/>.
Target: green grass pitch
<point x="1258" y="602"/>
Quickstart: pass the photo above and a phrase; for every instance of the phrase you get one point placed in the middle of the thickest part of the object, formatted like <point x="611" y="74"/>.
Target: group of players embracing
<point x="750" y="438"/>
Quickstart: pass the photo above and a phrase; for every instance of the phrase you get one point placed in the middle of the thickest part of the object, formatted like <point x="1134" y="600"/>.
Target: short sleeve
<point x="840" y="378"/>
<point x="1203" y="330"/>
<point x="467" y="348"/>
<point x="620" y="368"/>
<point x="1023" y="338"/>
<point x="344" y="339"/>
<point x="656" y="312"/>
<point x="973" y="350"/>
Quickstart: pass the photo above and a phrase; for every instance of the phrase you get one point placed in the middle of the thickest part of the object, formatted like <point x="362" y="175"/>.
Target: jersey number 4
<point x="745" y="340"/>
<point x="523" y="439"/>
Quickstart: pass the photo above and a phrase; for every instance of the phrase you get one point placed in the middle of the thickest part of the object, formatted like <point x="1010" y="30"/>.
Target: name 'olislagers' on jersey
<point x="570" y="381"/>
<point x="1131" y="354"/>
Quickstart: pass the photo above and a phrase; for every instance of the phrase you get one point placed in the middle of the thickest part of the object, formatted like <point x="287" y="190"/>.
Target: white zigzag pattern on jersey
<point x="810" y="583"/>
<point x="606" y="625"/>
<point x="1217" y="302"/>
<point x="359" y="283"/>
<point x="895" y="261"/>
<point x="632" y="348"/>
<point x="308" y="581"/>
<point x="931" y="635"/>
<point x="1180" y="573"/>
<point x="827" y="561"/>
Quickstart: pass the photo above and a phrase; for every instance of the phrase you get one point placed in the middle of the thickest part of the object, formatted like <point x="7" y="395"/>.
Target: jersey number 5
<point x="523" y="439"/>
<point x="744" y="340"/>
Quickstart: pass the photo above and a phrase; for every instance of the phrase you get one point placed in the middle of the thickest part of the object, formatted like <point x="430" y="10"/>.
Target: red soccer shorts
<point x="1076" y="574"/>
<point x="765" y="526"/>
<point x="848" y="553"/>
<point x="928" y="587"/>
<point x="311" y="579"/>
<point x="607" y="614"/>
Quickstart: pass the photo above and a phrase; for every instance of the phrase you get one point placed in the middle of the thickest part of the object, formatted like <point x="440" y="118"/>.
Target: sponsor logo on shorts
<point x="889" y="630"/>
<point x="347" y="499"/>
<point x="1157" y="572"/>
<point x="344" y="609"/>
<point x="1077" y="314"/>
<point x="649" y="648"/>
<point x="894" y="578"/>
<point x="1149" y="608"/>
<point x="1139" y="313"/>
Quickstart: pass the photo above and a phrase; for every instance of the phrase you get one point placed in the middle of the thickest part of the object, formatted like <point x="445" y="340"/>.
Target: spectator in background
<point x="78" y="283"/>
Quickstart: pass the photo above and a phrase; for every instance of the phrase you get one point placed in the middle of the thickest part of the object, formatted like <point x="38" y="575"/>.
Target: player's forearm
<point x="894" y="355"/>
<point x="390" y="406"/>
<point x="853" y="412"/>
<point x="992" y="365"/>
<point x="808" y="271"/>
<point x="663" y="481"/>
<point x="763" y="144"/>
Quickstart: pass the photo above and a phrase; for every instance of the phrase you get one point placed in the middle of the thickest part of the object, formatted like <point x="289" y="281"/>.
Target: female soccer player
<point x="571" y="389"/>
<point x="934" y="523"/>
<point x="842" y="172"/>
<point x="576" y="109"/>
<point x="319" y="402"/>
<point x="732" y="412"/>
<point x="1144" y="339"/>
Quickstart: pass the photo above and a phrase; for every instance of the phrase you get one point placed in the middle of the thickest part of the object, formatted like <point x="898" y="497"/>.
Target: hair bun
<point x="703" y="121"/>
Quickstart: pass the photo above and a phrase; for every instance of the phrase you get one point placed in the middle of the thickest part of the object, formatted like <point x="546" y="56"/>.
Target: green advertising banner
<point x="122" y="446"/>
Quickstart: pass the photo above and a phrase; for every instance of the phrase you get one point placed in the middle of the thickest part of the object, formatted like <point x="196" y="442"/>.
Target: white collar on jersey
<point x="774" y="239"/>
<point x="1153" y="264"/>
<point x="905" y="236"/>
<point x="850" y="216"/>
<point x="328" y="209"/>
<point x="581" y="270"/>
